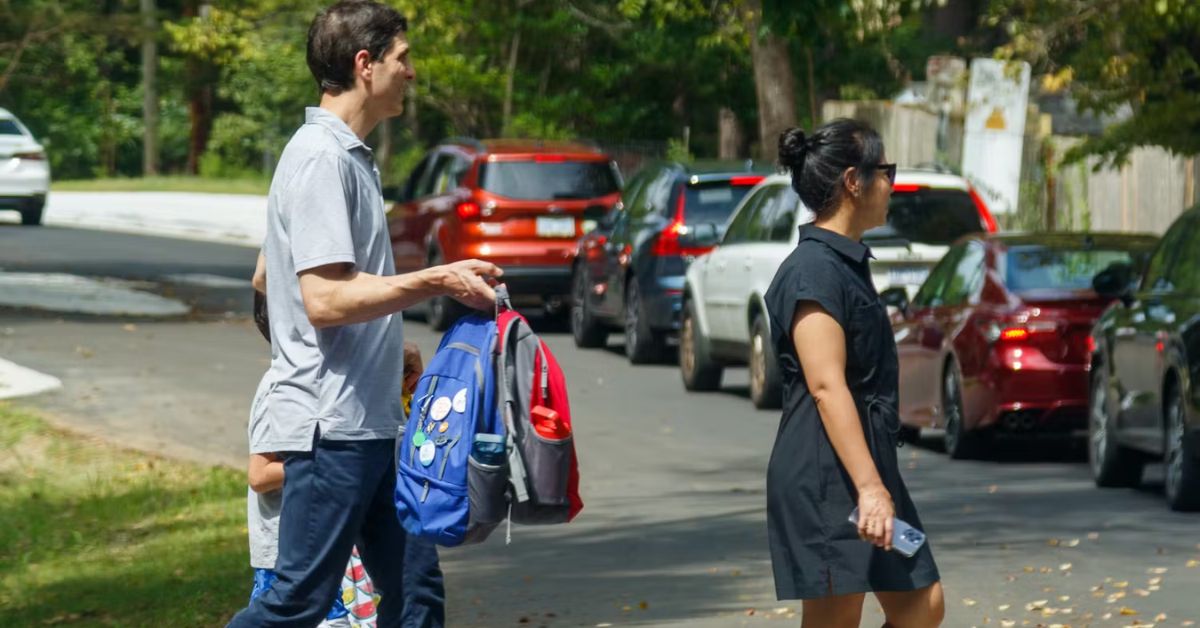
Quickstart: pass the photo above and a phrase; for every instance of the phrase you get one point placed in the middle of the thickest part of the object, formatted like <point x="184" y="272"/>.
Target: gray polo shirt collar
<point x="337" y="126"/>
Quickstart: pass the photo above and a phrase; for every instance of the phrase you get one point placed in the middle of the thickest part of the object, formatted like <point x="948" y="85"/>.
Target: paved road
<point x="673" y="532"/>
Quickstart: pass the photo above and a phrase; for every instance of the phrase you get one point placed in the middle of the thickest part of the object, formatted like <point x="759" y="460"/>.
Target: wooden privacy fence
<point x="1146" y="194"/>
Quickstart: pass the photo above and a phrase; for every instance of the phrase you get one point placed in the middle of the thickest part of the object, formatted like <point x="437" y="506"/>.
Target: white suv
<point x="724" y="315"/>
<point x="24" y="171"/>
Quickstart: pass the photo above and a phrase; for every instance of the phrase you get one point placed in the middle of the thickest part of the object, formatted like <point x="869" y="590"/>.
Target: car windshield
<point x="1039" y="267"/>
<point x="927" y="216"/>
<point x="9" y="127"/>
<point x="548" y="180"/>
<point x="713" y="202"/>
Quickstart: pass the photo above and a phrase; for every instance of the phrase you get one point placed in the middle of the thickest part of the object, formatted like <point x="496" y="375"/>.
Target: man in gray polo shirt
<point x="330" y="401"/>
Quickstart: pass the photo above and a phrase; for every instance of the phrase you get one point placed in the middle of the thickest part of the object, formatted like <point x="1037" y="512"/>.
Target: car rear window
<point x="928" y="216"/>
<point x="712" y="203"/>
<point x="9" y="127"/>
<point x="1039" y="267"/>
<point x="548" y="180"/>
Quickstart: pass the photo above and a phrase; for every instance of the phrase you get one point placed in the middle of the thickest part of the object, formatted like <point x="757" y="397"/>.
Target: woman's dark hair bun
<point x="793" y="146"/>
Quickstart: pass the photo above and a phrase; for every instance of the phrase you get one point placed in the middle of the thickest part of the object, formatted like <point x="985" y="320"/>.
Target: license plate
<point x="911" y="276"/>
<point x="556" y="226"/>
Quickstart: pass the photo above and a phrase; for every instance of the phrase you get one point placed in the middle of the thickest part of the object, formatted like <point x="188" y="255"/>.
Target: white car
<point x="24" y="171"/>
<point x="724" y="316"/>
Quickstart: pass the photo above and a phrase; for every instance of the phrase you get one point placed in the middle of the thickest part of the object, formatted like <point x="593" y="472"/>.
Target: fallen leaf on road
<point x="969" y="602"/>
<point x="1093" y="536"/>
<point x="1141" y="592"/>
<point x="1064" y="598"/>
<point x="1193" y="563"/>
<point x="1053" y="542"/>
<point x="1064" y="567"/>
<point x="1073" y="543"/>
<point x="749" y="612"/>
<point x="782" y="611"/>
<point x="1125" y="610"/>
<point x="1121" y="585"/>
<point x="1158" y="570"/>
<point x="1160" y="617"/>
<point x="643" y="605"/>
<point x="129" y="327"/>
<point x="1036" y="606"/>
<point x="1156" y="580"/>
<point x="1007" y="623"/>
<point x="993" y="488"/>
<point x="1003" y="607"/>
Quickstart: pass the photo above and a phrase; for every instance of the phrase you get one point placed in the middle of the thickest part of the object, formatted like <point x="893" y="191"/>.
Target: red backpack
<point x="532" y="393"/>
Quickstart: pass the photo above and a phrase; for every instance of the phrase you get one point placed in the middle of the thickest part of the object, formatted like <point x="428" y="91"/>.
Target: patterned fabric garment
<point x="356" y="606"/>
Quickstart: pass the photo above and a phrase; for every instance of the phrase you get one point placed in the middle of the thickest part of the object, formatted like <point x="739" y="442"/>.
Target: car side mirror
<point x="703" y="234"/>
<point x="896" y="297"/>
<point x="1115" y="282"/>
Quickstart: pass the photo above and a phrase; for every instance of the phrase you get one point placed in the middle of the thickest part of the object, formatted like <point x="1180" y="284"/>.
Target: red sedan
<point x="996" y="339"/>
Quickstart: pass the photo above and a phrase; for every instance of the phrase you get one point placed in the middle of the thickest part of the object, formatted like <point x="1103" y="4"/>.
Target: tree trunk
<point x="513" y="50"/>
<point x="200" y="114"/>
<point x="774" y="84"/>
<point x="812" y="88"/>
<point x="149" y="89"/>
<point x="729" y="134"/>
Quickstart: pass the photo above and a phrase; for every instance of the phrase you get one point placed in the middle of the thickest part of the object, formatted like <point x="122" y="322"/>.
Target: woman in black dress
<point x="836" y="445"/>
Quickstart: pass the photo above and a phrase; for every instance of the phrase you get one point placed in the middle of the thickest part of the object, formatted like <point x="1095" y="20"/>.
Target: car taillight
<point x="745" y="180"/>
<point x="1091" y="344"/>
<point x="31" y="156"/>
<point x="905" y="187"/>
<point x="668" y="241"/>
<point x="467" y="210"/>
<point x="984" y="214"/>
<point x="994" y="331"/>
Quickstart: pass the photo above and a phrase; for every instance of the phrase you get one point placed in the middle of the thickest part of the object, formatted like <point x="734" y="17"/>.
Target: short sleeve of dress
<point x="808" y="278"/>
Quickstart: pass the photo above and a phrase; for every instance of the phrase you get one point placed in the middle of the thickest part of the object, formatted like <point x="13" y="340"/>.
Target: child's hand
<point x="413" y="367"/>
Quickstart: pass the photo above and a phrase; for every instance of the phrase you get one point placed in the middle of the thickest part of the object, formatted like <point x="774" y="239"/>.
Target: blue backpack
<point x="451" y="467"/>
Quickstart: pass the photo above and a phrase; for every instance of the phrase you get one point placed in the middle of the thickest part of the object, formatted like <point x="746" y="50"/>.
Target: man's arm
<point x="265" y="473"/>
<point x="338" y="294"/>
<point x="260" y="274"/>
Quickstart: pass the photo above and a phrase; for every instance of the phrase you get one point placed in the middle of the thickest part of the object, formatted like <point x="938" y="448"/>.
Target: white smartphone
<point x="905" y="538"/>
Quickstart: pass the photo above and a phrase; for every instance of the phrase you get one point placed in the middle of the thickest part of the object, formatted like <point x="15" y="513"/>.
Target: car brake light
<point x="31" y="156"/>
<point x="467" y="210"/>
<point x="1091" y="344"/>
<point x="906" y="187"/>
<point x="668" y="241"/>
<point x="993" y="331"/>
<point x="549" y="158"/>
<point x="984" y="214"/>
<point x="745" y="180"/>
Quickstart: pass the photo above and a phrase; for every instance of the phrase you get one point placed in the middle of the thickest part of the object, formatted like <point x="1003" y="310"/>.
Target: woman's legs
<point x="923" y="608"/>
<point x="834" y="611"/>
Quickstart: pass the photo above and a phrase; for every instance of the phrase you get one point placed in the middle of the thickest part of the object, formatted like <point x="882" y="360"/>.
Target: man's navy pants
<point x="338" y="495"/>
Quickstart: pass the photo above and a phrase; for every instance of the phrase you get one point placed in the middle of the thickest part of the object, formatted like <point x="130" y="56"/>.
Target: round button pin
<point x="443" y="427"/>
<point x="460" y="401"/>
<point x="441" y="407"/>
<point x="427" y="452"/>
<point x="418" y="438"/>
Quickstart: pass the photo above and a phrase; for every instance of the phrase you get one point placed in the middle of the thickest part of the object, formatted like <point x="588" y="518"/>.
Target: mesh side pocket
<point x="548" y="464"/>
<point x="486" y="484"/>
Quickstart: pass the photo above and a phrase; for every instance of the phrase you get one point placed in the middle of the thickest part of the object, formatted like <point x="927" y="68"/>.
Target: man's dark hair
<point x="817" y="162"/>
<point x="340" y="31"/>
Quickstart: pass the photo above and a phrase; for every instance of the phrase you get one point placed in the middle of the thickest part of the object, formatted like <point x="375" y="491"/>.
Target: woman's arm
<point x="265" y="473"/>
<point x="821" y="346"/>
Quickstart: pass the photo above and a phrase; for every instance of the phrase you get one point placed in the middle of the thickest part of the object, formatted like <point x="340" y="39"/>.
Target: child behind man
<point x="265" y="475"/>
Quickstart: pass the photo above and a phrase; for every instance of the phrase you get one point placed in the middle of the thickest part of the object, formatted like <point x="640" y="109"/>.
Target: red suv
<point x="520" y="204"/>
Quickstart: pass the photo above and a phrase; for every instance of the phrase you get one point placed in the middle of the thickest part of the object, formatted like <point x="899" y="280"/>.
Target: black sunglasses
<point x="889" y="170"/>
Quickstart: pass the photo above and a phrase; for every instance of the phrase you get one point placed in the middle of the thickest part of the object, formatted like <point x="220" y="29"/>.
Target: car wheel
<point x="31" y="213"/>
<point x="1182" y="485"/>
<point x="442" y="311"/>
<point x="642" y="344"/>
<point x="1112" y="465"/>
<point x="587" y="331"/>
<point x="961" y="443"/>
<point x="766" y="390"/>
<point x="697" y="368"/>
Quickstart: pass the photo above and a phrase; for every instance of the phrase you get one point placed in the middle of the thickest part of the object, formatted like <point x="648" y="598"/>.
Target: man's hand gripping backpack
<point x="489" y="435"/>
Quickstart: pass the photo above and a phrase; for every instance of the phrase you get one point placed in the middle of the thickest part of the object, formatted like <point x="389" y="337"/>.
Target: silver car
<point x="24" y="170"/>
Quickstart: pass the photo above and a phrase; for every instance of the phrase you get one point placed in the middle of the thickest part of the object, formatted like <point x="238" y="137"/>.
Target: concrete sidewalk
<point x="227" y="218"/>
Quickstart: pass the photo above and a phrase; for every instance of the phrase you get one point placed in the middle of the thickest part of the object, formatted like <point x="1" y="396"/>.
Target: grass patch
<point x="165" y="184"/>
<point x="93" y="535"/>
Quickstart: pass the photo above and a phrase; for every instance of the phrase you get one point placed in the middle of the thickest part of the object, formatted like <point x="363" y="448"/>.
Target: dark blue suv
<point x="629" y="271"/>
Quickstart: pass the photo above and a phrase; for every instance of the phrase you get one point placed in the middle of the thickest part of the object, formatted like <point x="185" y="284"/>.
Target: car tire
<point x="31" y="213"/>
<point x="1112" y="465"/>
<point x="696" y="366"/>
<point x="642" y="344"/>
<point x="585" y="329"/>
<point x="766" y="387"/>
<point x="960" y="443"/>
<point x="442" y="311"/>
<point x="1182" y="485"/>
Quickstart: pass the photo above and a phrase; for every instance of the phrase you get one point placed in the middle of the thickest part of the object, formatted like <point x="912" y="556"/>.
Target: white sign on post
<point x="994" y="132"/>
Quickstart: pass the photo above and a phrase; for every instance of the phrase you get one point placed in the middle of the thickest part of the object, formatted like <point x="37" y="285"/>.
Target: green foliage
<point x="1115" y="55"/>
